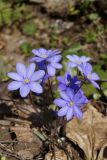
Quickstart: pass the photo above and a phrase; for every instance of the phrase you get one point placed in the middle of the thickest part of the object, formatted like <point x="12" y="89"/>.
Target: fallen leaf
<point x="103" y="153"/>
<point x="24" y="154"/>
<point x="23" y="134"/>
<point x="60" y="155"/>
<point x="90" y="134"/>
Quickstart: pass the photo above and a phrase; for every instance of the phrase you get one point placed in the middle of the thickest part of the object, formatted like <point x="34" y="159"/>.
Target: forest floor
<point x="20" y="124"/>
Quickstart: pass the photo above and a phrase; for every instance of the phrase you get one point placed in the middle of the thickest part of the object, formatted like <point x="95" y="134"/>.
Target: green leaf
<point x="93" y="16"/>
<point x="105" y="92"/>
<point x="102" y="73"/>
<point x="3" y="69"/>
<point x="73" y="49"/>
<point x="17" y="13"/>
<point x="89" y="90"/>
<point x="2" y="158"/>
<point x="90" y="36"/>
<point x="96" y="96"/>
<point x="26" y="48"/>
<point x="5" y="13"/>
<point x="104" y="88"/>
<point x="29" y="28"/>
<point x="103" y="56"/>
<point x="104" y="85"/>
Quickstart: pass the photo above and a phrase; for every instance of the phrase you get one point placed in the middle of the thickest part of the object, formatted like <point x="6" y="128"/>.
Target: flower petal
<point x="35" y="52"/>
<point x="37" y="75"/>
<point x="70" y="93"/>
<point x="61" y="79"/>
<point x="69" y="114"/>
<point x="24" y="90"/>
<point x="64" y="96"/>
<point x="73" y="58"/>
<point x="87" y="68"/>
<point x="77" y="112"/>
<point x="62" y="87"/>
<point x="56" y="51"/>
<point x="95" y="84"/>
<point x="53" y="52"/>
<point x="80" y="102"/>
<point x="21" y="69"/>
<point x="55" y="58"/>
<point x="84" y="59"/>
<point x="36" y="59"/>
<point x="71" y="65"/>
<point x="14" y="85"/>
<point x="56" y="65"/>
<point x="41" y="65"/>
<point x="62" y="111"/>
<point x="30" y="70"/>
<point x="51" y="70"/>
<point x="94" y="76"/>
<point x="42" y="51"/>
<point x="60" y="102"/>
<point x="15" y="76"/>
<point x="35" y="87"/>
<point x="42" y="80"/>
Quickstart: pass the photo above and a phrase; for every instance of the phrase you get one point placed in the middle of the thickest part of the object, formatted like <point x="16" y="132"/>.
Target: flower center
<point x="67" y="83"/>
<point x="44" y="55"/>
<point x="26" y="80"/>
<point x="78" y="62"/>
<point x="89" y="76"/>
<point x="71" y="103"/>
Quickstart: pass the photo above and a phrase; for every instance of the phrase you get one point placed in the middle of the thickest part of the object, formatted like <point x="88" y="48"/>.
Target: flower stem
<point x="80" y="87"/>
<point x="32" y="102"/>
<point x="50" y="86"/>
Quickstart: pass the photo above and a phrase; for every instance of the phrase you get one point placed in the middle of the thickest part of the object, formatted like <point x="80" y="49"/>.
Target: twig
<point x="17" y="120"/>
<point x="9" y="100"/>
<point x="8" y="152"/>
<point x="102" y="102"/>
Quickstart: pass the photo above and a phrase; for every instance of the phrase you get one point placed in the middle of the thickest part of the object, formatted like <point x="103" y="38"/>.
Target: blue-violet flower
<point x="70" y="104"/>
<point x="76" y="61"/>
<point x="68" y="82"/>
<point x="89" y="76"/>
<point x="26" y="79"/>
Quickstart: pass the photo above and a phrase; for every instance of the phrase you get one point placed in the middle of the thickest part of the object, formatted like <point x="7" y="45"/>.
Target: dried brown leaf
<point x="60" y="155"/>
<point x="90" y="133"/>
<point x="23" y="134"/>
<point x="24" y="154"/>
<point x="103" y="153"/>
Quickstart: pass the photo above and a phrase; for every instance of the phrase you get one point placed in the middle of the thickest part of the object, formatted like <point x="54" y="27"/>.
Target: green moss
<point x="3" y="69"/>
<point x="90" y="36"/>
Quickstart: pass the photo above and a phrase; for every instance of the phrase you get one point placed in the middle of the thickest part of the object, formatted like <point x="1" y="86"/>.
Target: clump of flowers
<point x="72" y="98"/>
<point x="47" y="60"/>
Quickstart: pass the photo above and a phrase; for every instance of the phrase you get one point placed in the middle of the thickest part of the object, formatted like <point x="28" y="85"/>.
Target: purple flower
<point x="70" y="104"/>
<point x="47" y="60"/>
<point x="26" y="79"/>
<point x="68" y="82"/>
<point x="76" y="61"/>
<point x="89" y="76"/>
